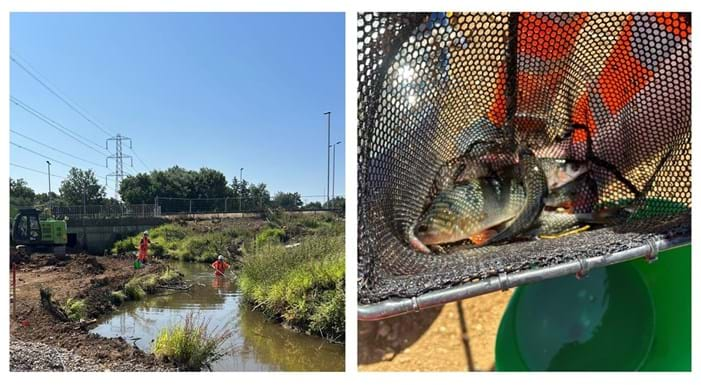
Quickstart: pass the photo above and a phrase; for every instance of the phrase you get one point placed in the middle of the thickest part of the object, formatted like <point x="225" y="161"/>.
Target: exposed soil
<point x="83" y="277"/>
<point x="432" y="340"/>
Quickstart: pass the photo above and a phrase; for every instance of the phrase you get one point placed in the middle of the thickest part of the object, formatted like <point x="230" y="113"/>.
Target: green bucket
<point x="629" y="316"/>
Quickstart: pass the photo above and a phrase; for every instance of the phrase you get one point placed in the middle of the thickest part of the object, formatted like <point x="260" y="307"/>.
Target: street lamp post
<point x="85" y="233"/>
<point x="49" y="175"/>
<point x="333" y="180"/>
<point x="328" y="155"/>
<point x="240" y="181"/>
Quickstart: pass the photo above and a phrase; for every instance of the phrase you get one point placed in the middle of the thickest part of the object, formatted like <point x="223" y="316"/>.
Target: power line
<point x="55" y="93"/>
<point x="66" y="131"/>
<point x="35" y="74"/>
<point x="35" y="170"/>
<point x="40" y="154"/>
<point x="56" y="149"/>
<point x="53" y="175"/>
<point x="140" y="160"/>
<point x="49" y="158"/>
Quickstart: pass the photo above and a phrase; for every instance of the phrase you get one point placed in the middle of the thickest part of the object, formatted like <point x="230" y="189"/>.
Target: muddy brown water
<point x="256" y="343"/>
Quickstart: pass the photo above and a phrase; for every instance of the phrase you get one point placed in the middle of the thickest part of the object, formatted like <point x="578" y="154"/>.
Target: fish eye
<point x="422" y="228"/>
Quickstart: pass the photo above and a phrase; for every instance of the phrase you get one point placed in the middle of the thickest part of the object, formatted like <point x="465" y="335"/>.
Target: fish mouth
<point x="429" y="236"/>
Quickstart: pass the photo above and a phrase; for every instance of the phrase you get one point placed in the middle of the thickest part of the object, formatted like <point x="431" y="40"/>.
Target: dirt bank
<point x="82" y="277"/>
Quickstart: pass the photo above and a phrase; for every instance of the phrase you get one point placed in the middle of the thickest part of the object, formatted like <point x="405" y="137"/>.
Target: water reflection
<point x="256" y="344"/>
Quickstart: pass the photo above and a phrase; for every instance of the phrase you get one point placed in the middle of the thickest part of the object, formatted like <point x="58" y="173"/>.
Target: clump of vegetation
<point x="169" y="275"/>
<point x="305" y="225"/>
<point x="270" y="234"/>
<point x="134" y="291"/>
<point x="164" y="240"/>
<point x="191" y="345"/>
<point x="124" y="246"/>
<point x="185" y="243"/>
<point x="138" y="287"/>
<point x="118" y="297"/>
<point x="303" y="285"/>
<point x="204" y="247"/>
<point x="75" y="309"/>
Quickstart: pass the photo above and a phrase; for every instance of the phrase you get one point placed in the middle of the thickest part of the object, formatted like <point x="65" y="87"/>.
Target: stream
<point x="256" y="343"/>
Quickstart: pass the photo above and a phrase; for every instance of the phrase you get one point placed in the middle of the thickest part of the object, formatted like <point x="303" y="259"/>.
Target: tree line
<point x="81" y="186"/>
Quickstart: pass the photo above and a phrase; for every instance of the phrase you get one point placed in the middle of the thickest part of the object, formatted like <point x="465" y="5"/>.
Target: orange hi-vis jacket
<point x="143" y="248"/>
<point x="220" y="267"/>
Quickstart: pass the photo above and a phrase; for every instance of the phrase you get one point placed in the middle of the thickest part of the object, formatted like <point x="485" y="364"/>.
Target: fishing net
<point x="611" y="89"/>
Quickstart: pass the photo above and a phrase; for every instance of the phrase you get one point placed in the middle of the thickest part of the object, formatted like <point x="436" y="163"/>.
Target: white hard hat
<point x="146" y="232"/>
<point x="221" y="257"/>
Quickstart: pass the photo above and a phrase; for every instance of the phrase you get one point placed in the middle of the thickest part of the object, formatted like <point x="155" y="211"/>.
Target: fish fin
<point x="482" y="237"/>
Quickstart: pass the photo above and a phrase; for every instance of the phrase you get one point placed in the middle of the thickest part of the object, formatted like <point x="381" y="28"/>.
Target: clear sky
<point x="223" y="91"/>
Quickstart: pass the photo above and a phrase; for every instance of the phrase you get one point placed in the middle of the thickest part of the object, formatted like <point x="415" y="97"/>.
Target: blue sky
<point x="223" y="91"/>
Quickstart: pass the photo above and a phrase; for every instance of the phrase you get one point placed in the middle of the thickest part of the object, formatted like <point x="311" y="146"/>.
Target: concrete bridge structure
<point x="97" y="235"/>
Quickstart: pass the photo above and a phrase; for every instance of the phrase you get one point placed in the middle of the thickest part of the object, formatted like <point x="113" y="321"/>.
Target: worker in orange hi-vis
<point x="143" y="247"/>
<point x="220" y="266"/>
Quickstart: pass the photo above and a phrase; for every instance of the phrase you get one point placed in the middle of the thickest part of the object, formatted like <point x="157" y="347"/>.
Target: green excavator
<point x="30" y="234"/>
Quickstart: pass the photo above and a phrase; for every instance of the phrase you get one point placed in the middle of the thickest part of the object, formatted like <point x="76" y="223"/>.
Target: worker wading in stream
<point x="220" y="266"/>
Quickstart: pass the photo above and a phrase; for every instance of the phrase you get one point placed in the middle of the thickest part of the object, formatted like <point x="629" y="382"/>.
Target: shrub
<point x="191" y="346"/>
<point x="268" y="235"/>
<point x="156" y="249"/>
<point x="203" y="247"/>
<point x="75" y="309"/>
<point x="124" y="246"/>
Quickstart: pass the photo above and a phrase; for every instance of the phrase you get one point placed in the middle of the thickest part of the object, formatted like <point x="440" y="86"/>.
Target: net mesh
<point x="611" y="89"/>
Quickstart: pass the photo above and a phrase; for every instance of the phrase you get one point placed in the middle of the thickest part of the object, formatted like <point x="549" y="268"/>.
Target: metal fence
<point x="236" y="205"/>
<point x="172" y="206"/>
<point x="106" y="211"/>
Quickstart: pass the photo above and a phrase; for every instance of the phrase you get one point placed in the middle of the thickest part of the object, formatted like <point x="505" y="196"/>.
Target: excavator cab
<point x="32" y="233"/>
<point x="26" y="228"/>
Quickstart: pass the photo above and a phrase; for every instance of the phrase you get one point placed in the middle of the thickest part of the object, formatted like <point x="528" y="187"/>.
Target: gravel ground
<point x="39" y="357"/>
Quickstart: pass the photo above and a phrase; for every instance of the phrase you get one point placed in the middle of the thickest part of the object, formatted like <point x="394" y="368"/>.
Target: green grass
<point x="138" y="287"/>
<point x="118" y="297"/>
<point x="184" y="243"/>
<point x="302" y="285"/>
<point x="133" y="291"/>
<point x="169" y="275"/>
<point x="191" y="345"/>
<point x="270" y="235"/>
<point x="76" y="309"/>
